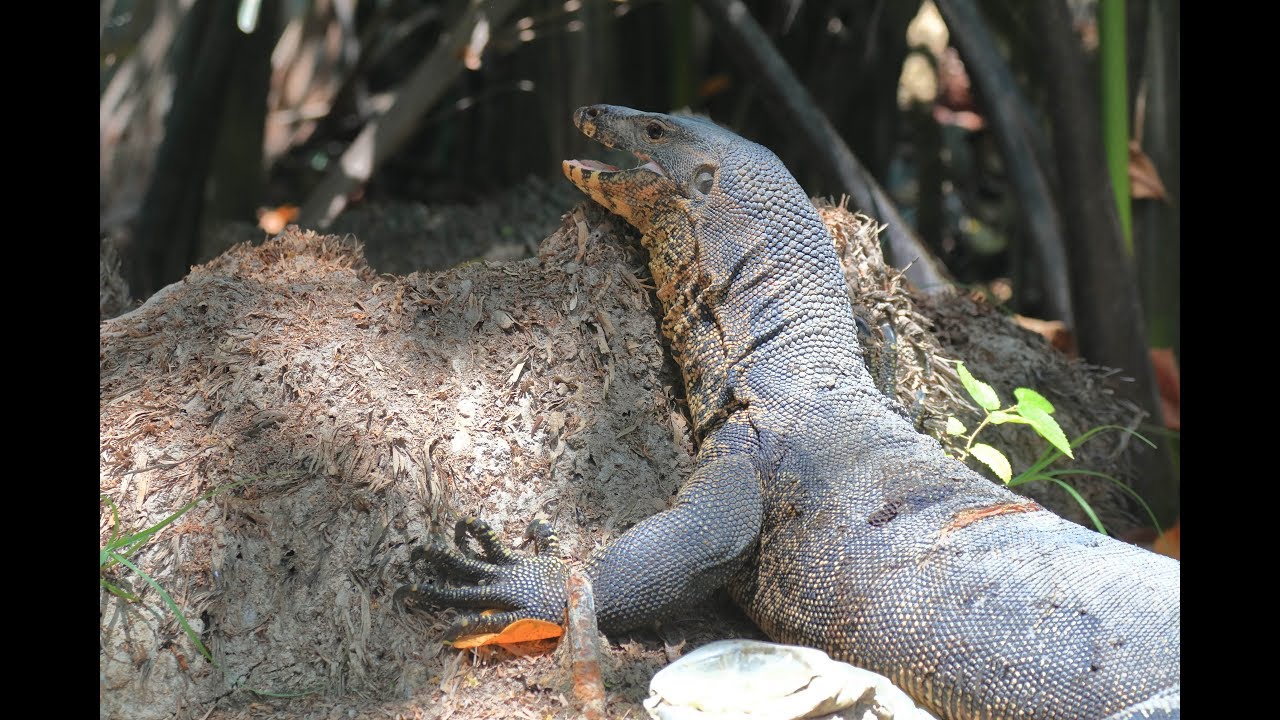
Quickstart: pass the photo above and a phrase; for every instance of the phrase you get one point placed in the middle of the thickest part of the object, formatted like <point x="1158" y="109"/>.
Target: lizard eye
<point x="655" y="130"/>
<point x="703" y="178"/>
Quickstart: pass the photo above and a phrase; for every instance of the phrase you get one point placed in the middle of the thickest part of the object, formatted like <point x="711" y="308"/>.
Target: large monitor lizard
<point x="831" y="520"/>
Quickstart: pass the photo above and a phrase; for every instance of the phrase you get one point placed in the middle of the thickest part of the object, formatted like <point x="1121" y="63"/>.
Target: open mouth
<point x="646" y="164"/>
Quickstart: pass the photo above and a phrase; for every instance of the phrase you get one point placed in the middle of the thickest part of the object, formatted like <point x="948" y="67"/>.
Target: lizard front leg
<point x="665" y="562"/>
<point x="680" y="555"/>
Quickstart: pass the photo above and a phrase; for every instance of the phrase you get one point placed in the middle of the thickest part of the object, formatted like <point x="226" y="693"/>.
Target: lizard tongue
<point x="594" y="165"/>
<point x="598" y="166"/>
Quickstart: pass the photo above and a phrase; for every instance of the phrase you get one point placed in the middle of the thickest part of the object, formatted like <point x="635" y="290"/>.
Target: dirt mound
<point x="362" y="412"/>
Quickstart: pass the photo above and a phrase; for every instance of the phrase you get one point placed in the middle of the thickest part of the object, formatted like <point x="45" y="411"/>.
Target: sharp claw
<point x="476" y="623"/>
<point x="543" y="537"/>
<point x="407" y="593"/>
<point x="460" y="534"/>
<point x="522" y="586"/>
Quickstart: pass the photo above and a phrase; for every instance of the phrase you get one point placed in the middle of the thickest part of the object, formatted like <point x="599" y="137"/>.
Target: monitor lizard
<point x="830" y="519"/>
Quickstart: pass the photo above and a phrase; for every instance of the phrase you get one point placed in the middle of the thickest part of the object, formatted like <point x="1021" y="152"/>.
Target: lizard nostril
<point x="593" y="112"/>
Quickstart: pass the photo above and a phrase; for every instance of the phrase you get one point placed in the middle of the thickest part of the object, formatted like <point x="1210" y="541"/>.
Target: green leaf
<point x="1000" y="417"/>
<point x="982" y="393"/>
<point x="1030" y="398"/>
<point x="1047" y="427"/>
<point x="993" y="459"/>
<point x="954" y="426"/>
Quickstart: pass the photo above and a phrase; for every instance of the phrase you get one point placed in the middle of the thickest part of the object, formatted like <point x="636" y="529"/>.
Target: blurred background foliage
<point x="1030" y="150"/>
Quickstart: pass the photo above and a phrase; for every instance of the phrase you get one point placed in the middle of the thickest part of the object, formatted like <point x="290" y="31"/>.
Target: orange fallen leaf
<point x="1169" y="383"/>
<point x="714" y="85"/>
<point x="1055" y="331"/>
<point x="1144" y="180"/>
<point x="1170" y="542"/>
<point x="520" y="631"/>
<point x="273" y="220"/>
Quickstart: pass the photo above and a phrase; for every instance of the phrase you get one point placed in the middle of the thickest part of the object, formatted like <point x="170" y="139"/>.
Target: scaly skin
<point x="833" y="522"/>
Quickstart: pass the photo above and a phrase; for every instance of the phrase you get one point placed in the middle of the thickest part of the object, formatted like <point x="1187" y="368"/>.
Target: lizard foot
<point x="519" y="587"/>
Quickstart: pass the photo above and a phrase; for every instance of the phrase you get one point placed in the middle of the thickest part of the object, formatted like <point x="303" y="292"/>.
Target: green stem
<point x="680" y="26"/>
<point x="1115" y="109"/>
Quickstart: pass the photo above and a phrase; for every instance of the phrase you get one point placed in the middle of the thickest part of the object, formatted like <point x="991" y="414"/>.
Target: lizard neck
<point x="756" y="309"/>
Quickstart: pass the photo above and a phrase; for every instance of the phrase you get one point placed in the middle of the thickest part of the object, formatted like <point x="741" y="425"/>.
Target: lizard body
<point x="831" y="520"/>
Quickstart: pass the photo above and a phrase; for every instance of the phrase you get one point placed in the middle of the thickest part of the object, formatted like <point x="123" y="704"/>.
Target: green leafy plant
<point x="120" y="547"/>
<point x="1035" y="410"/>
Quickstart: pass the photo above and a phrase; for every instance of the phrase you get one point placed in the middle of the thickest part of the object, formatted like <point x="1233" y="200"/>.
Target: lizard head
<point x="680" y="162"/>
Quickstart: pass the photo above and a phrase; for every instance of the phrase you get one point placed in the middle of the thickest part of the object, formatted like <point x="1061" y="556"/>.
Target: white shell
<point x="767" y="681"/>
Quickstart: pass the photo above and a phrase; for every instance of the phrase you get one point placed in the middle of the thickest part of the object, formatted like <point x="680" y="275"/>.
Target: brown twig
<point x="794" y="107"/>
<point x="588" y="683"/>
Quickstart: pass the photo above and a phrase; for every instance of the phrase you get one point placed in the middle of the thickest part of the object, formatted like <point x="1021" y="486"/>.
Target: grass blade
<point x="1083" y="503"/>
<point x="173" y="607"/>
<point x="1132" y="493"/>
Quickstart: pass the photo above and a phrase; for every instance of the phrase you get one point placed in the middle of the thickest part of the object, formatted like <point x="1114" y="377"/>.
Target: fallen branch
<point x="588" y="682"/>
